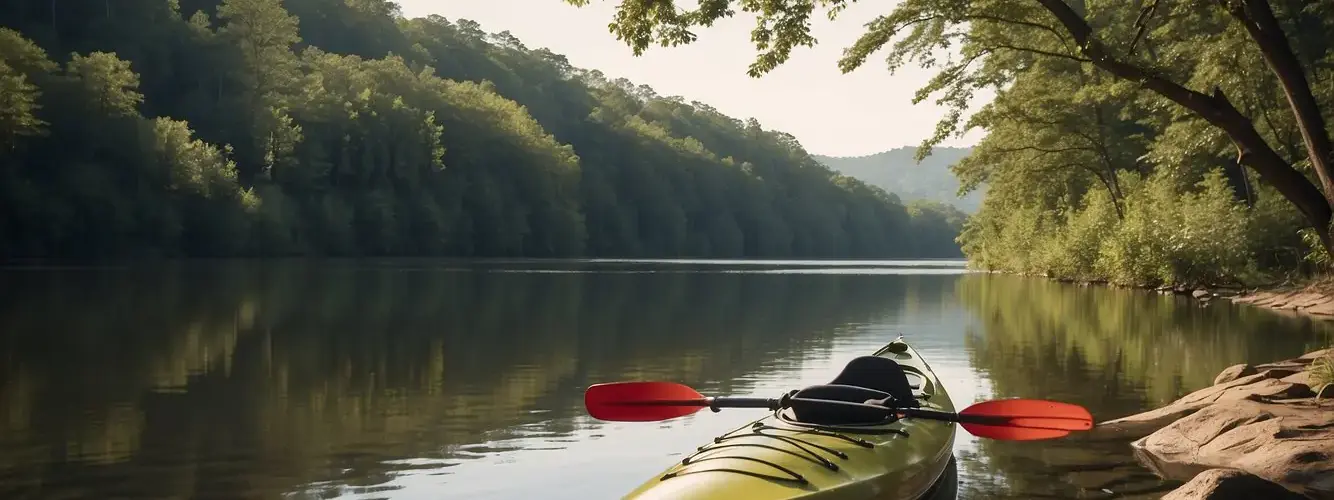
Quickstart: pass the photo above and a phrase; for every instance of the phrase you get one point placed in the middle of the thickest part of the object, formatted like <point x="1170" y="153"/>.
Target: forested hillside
<point x="1135" y="142"/>
<point x="898" y="172"/>
<point x="337" y="127"/>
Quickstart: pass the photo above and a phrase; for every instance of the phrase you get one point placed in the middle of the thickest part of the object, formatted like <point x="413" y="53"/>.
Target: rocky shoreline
<point x="1259" y="431"/>
<point x="1317" y="301"/>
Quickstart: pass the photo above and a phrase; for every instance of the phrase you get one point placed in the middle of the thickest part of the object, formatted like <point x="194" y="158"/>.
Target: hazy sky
<point x="864" y="112"/>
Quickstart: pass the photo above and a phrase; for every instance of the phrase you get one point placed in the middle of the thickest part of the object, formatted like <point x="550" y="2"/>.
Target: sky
<point x="830" y="113"/>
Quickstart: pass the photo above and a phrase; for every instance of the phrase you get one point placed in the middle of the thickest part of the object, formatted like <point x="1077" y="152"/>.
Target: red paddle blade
<point x="1024" y="419"/>
<point x="642" y="401"/>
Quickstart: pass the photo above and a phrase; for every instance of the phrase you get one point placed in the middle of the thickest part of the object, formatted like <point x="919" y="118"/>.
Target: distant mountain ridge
<point x="897" y="172"/>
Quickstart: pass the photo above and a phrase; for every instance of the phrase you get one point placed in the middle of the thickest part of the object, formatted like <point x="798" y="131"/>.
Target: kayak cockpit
<point x="867" y="379"/>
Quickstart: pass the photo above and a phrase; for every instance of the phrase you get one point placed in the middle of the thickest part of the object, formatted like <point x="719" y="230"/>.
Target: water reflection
<point x="245" y="380"/>
<point x="434" y="378"/>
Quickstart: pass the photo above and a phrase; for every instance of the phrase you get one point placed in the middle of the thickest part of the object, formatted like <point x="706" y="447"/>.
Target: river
<point x="463" y="379"/>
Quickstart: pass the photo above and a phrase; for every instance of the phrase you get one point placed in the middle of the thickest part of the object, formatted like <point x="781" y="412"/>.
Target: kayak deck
<point x="784" y="455"/>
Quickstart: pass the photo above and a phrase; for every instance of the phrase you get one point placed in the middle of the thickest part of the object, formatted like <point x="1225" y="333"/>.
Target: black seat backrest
<point x="880" y="374"/>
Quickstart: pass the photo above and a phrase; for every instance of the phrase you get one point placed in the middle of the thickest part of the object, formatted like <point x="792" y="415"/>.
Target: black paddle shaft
<point x="908" y="412"/>
<point x="717" y="404"/>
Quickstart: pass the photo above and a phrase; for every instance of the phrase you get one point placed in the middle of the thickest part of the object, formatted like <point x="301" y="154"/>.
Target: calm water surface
<point x="456" y="379"/>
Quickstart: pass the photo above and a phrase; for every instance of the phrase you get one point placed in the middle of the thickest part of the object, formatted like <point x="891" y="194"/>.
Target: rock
<point x="1260" y="385"/>
<point x="1302" y="377"/>
<point x="1234" y="372"/>
<point x="1291" y="365"/>
<point x="1290" y="444"/>
<point x="1307" y="299"/>
<point x="1226" y="484"/>
<point x="1314" y="355"/>
<point x="1263" y="299"/>
<point x="1325" y="308"/>
<point x="1200" y="294"/>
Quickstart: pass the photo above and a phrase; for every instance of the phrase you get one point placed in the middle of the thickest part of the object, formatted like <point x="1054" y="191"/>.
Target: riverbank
<point x="1260" y="431"/>
<point x="1314" y="298"/>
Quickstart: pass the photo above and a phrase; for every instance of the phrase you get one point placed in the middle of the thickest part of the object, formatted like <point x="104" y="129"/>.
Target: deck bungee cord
<point x="804" y="449"/>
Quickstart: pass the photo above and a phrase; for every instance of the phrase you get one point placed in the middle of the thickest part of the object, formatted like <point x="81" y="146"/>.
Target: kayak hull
<point x="779" y="457"/>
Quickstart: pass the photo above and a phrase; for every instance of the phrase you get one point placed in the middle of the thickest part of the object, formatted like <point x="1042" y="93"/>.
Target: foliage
<point x="1322" y="372"/>
<point x="1095" y="95"/>
<point x="1165" y="235"/>
<point x="332" y="127"/>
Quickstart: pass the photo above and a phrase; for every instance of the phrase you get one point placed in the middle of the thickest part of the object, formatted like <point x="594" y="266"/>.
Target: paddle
<point x="1003" y="419"/>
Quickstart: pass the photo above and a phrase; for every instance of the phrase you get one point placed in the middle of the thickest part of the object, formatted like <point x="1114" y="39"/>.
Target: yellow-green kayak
<point x="827" y="455"/>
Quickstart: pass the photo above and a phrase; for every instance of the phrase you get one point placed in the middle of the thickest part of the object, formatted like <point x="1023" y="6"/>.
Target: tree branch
<point x="1252" y="150"/>
<point x="1042" y="52"/>
<point x="1258" y="19"/>
<point x="1044" y="151"/>
<point x="1142" y="24"/>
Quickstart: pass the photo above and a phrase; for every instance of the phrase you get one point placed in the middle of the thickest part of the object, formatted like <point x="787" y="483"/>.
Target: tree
<point x="18" y="101"/>
<point x="109" y="84"/>
<point x="264" y="33"/>
<point x="999" y="37"/>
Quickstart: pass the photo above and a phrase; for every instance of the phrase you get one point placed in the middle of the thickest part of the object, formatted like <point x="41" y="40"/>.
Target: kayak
<point x="831" y="454"/>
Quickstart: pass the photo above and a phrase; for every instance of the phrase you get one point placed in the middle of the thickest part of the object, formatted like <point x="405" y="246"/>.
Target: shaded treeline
<point x="338" y="127"/>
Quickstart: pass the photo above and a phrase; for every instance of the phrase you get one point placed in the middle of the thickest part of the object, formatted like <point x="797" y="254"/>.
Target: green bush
<point x="1165" y="234"/>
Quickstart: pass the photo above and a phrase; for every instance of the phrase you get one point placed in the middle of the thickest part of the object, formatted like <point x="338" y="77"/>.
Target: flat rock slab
<point x="1263" y="385"/>
<point x="1234" y="372"/>
<point x="1229" y="484"/>
<point x="1263" y="424"/>
<point x="1289" y="444"/>
<point x="1323" y="353"/>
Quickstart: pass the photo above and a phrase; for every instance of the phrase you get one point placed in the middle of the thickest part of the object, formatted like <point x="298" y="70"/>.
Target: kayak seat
<point x="827" y="414"/>
<point x="866" y="379"/>
<point x="880" y="374"/>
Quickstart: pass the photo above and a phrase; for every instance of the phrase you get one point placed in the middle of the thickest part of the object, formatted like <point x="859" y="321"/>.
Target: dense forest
<point x="339" y="127"/>
<point x="929" y="182"/>
<point x="1138" y="142"/>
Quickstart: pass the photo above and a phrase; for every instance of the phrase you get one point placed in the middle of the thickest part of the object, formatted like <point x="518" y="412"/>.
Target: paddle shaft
<point x="926" y="414"/>
<point x="774" y="404"/>
<point x="717" y="403"/>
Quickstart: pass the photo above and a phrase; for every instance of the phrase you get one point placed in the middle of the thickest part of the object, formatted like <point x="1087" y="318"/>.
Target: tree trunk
<point x="1112" y="189"/>
<point x="1252" y="150"/>
<point x="1264" y="29"/>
